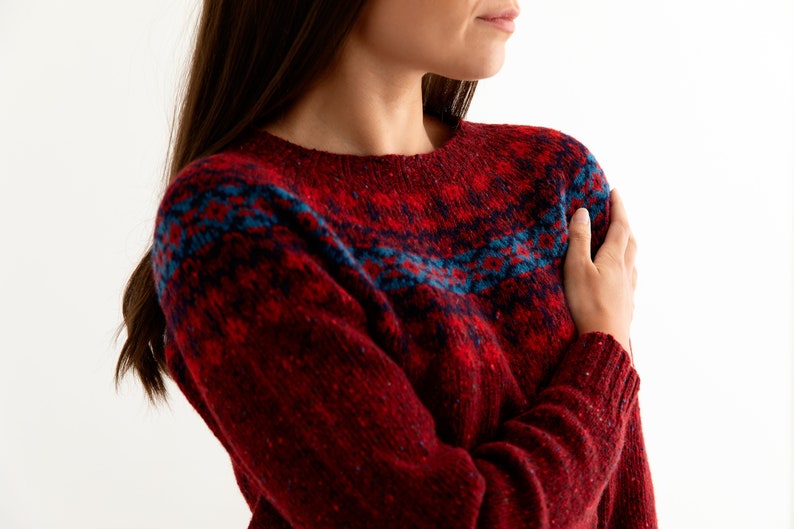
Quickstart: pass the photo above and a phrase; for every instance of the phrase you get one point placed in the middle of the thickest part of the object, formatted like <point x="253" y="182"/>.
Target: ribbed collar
<point x="449" y="164"/>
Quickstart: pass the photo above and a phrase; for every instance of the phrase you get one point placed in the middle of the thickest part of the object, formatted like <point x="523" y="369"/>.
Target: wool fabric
<point x="384" y="342"/>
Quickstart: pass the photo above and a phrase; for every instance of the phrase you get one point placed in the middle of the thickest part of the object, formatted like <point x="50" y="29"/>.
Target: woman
<point x="362" y="294"/>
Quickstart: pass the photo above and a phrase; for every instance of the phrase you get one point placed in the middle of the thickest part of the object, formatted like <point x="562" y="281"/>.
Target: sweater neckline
<point x="264" y="137"/>
<point x="388" y="171"/>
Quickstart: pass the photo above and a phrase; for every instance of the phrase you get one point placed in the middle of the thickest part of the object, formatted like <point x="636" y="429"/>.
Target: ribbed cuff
<point x="598" y="365"/>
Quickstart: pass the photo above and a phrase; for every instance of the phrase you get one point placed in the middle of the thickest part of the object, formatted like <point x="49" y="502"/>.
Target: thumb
<point x="579" y="236"/>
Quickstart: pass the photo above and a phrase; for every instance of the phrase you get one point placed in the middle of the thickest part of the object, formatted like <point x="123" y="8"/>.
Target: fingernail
<point x="582" y="216"/>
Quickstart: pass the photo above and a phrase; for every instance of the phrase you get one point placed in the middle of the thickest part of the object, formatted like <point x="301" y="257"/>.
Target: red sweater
<point x="383" y="342"/>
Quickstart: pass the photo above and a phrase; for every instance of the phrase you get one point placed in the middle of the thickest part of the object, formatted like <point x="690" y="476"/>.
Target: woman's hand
<point x="600" y="291"/>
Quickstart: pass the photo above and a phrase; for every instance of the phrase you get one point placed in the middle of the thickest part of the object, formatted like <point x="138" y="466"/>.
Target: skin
<point x="370" y="103"/>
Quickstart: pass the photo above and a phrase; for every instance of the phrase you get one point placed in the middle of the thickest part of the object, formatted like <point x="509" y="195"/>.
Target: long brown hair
<point x="252" y="60"/>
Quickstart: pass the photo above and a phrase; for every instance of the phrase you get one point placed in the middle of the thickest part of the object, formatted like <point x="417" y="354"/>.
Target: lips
<point x="502" y="20"/>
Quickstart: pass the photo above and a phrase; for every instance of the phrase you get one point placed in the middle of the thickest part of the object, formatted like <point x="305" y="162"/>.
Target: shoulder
<point x="218" y="173"/>
<point x="542" y="143"/>
<point x="564" y="162"/>
<point x="227" y="190"/>
<point x="219" y="199"/>
<point x="561" y="168"/>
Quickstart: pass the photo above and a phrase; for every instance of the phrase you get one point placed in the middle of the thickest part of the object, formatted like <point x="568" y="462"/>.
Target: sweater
<point x="384" y="342"/>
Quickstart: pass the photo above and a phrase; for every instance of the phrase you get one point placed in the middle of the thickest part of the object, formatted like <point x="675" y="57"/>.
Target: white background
<point x="686" y="103"/>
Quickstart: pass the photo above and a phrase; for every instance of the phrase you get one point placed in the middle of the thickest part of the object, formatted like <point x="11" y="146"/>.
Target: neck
<point x="364" y="108"/>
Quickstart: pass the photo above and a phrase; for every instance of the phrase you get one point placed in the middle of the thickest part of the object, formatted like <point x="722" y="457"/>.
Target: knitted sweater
<point x="383" y="342"/>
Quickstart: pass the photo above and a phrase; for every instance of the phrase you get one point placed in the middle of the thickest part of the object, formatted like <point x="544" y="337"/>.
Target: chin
<point x="482" y="69"/>
<point x="491" y="71"/>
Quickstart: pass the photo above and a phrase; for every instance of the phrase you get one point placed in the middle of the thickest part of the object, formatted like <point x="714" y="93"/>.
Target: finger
<point x="617" y="208"/>
<point x="579" y="237"/>
<point x="618" y="234"/>
<point x="631" y="251"/>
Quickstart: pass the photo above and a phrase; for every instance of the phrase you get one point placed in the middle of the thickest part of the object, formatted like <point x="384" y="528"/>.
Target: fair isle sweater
<point x="384" y="342"/>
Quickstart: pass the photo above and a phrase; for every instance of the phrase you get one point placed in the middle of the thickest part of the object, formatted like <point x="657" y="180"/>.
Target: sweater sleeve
<point x="323" y="422"/>
<point x="628" y="500"/>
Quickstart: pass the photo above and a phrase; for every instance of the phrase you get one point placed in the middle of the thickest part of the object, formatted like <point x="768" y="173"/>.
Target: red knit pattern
<point x="383" y="342"/>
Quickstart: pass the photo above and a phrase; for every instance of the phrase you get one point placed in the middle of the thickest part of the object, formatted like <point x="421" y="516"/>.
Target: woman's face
<point x="459" y="39"/>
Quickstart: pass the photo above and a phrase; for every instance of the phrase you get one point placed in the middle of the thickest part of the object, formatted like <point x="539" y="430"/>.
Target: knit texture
<point x="383" y="342"/>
